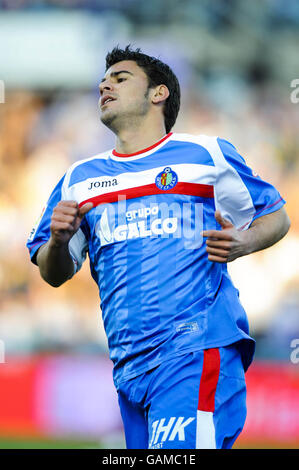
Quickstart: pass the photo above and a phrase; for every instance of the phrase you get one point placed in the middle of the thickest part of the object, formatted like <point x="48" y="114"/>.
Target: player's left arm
<point x="229" y="243"/>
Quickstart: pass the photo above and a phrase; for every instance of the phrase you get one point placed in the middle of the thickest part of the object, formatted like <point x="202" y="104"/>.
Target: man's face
<point x="124" y="96"/>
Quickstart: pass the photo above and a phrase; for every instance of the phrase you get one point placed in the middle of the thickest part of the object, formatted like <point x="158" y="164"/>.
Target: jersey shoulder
<point x="84" y="165"/>
<point x="219" y="148"/>
<point x="208" y="145"/>
<point x="199" y="139"/>
<point x="203" y="140"/>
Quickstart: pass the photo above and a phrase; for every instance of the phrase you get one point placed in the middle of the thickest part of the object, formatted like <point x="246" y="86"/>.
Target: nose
<point x="105" y="85"/>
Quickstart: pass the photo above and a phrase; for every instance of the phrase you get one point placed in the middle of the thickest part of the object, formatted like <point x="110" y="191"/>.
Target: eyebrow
<point x="114" y="74"/>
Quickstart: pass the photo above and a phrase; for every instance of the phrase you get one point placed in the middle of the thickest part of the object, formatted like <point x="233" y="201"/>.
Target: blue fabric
<point x="40" y="234"/>
<point x="159" y="407"/>
<point x="112" y="168"/>
<point x="160" y="295"/>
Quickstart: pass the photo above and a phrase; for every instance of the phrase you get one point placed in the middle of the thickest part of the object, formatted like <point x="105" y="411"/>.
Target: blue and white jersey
<point x="160" y="295"/>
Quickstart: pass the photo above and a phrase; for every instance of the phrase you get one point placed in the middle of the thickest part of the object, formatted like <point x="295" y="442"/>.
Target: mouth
<point x="106" y="99"/>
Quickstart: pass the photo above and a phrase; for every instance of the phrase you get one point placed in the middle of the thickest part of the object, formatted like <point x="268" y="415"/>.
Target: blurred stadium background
<point x="236" y="60"/>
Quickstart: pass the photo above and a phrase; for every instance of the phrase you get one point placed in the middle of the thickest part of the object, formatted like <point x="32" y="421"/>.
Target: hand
<point x="224" y="245"/>
<point x="66" y="220"/>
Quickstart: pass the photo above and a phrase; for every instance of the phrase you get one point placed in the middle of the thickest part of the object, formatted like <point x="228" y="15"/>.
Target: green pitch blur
<point x="84" y="444"/>
<point x="47" y="444"/>
<point x="112" y="442"/>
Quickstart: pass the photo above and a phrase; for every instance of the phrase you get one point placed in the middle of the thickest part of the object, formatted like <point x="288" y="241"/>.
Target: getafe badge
<point x="167" y="179"/>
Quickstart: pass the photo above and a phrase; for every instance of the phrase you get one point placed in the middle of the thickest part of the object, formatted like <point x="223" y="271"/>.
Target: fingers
<point x="222" y="221"/>
<point x="218" y="252"/>
<point x="217" y="259"/>
<point x="65" y="212"/>
<point x="84" y="209"/>
<point x="63" y="217"/>
<point x="58" y="225"/>
<point x="67" y="205"/>
<point x="66" y="219"/>
<point x="68" y="210"/>
<point x="220" y="234"/>
<point x="219" y="242"/>
<point x="222" y="244"/>
<point x="217" y="234"/>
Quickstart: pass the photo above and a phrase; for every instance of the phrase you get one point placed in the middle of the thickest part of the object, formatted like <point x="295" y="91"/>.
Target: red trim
<point x="209" y="380"/>
<point x="190" y="189"/>
<point x="124" y="155"/>
<point x="262" y="210"/>
<point x="37" y="243"/>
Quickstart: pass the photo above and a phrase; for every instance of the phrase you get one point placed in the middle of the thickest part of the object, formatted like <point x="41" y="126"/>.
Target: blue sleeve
<point x="40" y="233"/>
<point x="265" y="197"/>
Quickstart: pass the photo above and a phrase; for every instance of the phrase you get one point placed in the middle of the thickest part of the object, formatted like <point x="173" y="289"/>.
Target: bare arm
<point x="229" y="243"/>
<point x="53" y="258"/>
<point x="267" y="230"/>
<point x="55" y="263"/>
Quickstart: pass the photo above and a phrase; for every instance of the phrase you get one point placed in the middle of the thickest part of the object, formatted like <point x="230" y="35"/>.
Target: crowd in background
<point x="43" y="131"/>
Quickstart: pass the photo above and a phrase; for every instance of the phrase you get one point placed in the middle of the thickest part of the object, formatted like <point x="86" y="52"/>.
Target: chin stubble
<point x="116" y="121"/>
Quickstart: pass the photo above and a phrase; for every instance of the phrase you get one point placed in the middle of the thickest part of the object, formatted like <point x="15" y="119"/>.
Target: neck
<point x="134" y="139"/>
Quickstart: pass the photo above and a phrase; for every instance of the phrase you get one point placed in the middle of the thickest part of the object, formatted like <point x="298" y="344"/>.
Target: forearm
<point x="55" y="263"/>
<point x="266" y="231"/>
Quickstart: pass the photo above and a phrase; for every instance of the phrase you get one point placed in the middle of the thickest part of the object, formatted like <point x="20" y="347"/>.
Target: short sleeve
<point x="40" y="234"/>
<point x="240" y="194"/>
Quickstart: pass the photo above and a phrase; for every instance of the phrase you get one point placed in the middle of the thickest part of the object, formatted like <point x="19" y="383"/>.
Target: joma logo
<point x="103" y="183"/>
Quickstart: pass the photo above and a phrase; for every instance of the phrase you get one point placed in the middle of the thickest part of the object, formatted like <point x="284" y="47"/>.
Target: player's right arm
<point x="53" y="258"/>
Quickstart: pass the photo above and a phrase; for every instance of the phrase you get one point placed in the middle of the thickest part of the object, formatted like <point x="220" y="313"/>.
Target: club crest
<point x="167" y="179"/>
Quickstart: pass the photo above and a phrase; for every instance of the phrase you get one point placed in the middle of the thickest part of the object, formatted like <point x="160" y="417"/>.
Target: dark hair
<point x="158" y="73"/>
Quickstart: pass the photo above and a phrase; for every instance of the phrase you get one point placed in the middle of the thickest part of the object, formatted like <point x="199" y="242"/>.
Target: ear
<point x="160" y="94"/>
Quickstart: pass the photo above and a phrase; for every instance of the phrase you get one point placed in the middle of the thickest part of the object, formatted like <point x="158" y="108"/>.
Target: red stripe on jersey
<point x="262" y="210"/>
<point x="189" y="189"/>
<point x="209" y="380"/>
<point x="124" y="155"/>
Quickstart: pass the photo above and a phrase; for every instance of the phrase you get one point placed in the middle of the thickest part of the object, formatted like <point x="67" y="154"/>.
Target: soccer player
<point x="160" y="215"/>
